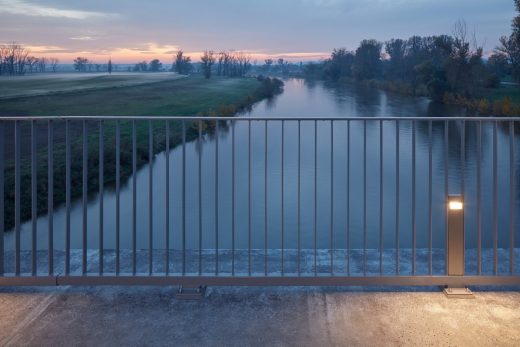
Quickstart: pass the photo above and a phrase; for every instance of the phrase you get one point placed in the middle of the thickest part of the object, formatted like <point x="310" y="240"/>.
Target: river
<point x="308" y="99"/>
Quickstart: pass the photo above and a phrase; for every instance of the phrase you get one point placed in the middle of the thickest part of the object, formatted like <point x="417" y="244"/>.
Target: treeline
<point x="223" y="63"/>
<point x="15" y="59"/>
<point x="82" y="64"/>
<point x="280" y="66"/>
<point x="437" y="66"/>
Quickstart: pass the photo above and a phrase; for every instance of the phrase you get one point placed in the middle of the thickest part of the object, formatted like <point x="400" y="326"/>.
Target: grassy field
<point x="188" y="96"/>
<point x="182" y="97"/>
<point x="45" y="84"/>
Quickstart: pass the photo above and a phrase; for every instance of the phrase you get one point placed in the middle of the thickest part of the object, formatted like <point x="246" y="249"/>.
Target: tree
<point x="54" y="63"/>
<point x="14" y="59"/>
<point x="141" y="66"/>
<point x="182" y="64"/>
<point x="268" y="64"/>
<point x="31" y="63"/>
<point x="367" y="62"/>
<point x="465" y="71"/>
<point x="207" y="61"/>
<point x="42" y="64"/>
<point x="80" y="64"/>
<point x="510" y="46"/>
<point x="498" y="64"/>
<point x="396" y="50"/>
<point x="340" y="64"/>
<point x="155" y="66"/>
<point x="109" y="66"/>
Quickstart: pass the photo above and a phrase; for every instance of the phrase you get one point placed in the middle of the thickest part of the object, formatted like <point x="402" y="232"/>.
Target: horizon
<point x="296" y="30"/>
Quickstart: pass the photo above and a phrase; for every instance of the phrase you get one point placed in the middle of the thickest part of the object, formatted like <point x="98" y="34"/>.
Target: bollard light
<point x="455" y="213"/>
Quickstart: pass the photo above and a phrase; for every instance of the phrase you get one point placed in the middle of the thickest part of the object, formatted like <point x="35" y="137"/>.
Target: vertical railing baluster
<point x="512" y="190"/>
<point x="183" y="197"/>
<point x="232" y="198"/>
<point x="265" y="199"/>
<point x="134" y="198"/>
<point x="17" y="139"/>
<point x="348" y="199"/>
<point x="2" y="194"/>
<point x="331" y="197"/>
<point x="50" y="195"/>
<point x="84" y="198"/>
<point x="34" y="198"/>
<point x="299" y="198"/>
<point x="118" y="197"/>
<point x="495" y="199"/>
<point x="167" y="199"/>
<point x="364" y="198"/>
<point x="462" y="157"/>
<point x="430" y="197"/>
<point x="150" y="197"/>
<point x="381" y="197"/>
<point x="414" y="208"/>
<point x="249" y="197"/>
<point x="463" y="167"/>
<point x="446" y="192"/>
<point x="101" y="192"/>
<point x="479" y="204"/>
<point x="199" y="139"/>
<point x="217" y="134"/>
<point x="315" y="198"/>
<point x="282" y="197"/>
<point x="67" y="196"/>
<point x="397" y="189"/>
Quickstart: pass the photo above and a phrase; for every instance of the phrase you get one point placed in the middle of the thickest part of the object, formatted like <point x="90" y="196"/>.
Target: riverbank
<point x="181" y="97"/>
<point x="501" y="101"/>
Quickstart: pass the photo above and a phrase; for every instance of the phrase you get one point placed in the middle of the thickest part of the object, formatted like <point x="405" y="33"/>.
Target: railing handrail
<point x="271" y="118"/>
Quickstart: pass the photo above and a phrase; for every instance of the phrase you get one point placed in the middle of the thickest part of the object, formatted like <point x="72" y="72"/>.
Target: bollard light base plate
<point x="191" y="293"/>
<point x="458" y="293"/>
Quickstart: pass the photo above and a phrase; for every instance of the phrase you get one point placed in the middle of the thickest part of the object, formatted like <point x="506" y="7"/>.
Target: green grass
<point x="182" y="97"/>
<point x="31" y="85"/>
<point x="504" y="91"/>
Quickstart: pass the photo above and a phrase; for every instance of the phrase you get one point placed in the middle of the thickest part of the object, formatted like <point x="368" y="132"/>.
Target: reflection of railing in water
<point x="289" y="260"/>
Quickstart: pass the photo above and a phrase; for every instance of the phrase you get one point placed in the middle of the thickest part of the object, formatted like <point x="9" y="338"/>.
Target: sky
<point x="297" y="30"/>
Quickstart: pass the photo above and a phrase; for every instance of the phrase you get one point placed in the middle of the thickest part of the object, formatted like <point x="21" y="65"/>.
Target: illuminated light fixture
<point x="456" y="248"/>
<point x="456" y="205"/>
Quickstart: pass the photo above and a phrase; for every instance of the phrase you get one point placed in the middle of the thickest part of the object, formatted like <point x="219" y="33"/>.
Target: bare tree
<point x="31" y="63"/>
<point x="54" y="63"/>
<point x="42" y="64"/>
<point x="14" y="59"/>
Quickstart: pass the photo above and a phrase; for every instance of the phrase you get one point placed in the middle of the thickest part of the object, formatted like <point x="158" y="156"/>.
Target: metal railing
<point x="256" y="201"/>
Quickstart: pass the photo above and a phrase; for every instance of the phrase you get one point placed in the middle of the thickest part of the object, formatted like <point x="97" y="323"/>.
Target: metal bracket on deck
<point x="191" y="293"/>
<point x="458" y="293"/>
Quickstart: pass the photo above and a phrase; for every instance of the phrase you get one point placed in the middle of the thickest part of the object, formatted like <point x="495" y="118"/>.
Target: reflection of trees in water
<point x="270" y="103"/>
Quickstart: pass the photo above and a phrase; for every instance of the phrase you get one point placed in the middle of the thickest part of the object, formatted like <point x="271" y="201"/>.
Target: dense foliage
<point x="443" y="66"/>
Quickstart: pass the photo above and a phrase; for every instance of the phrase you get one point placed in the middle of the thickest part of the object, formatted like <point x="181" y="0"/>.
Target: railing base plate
<point x="458" y="293"/>
<point x="191" y="293"/>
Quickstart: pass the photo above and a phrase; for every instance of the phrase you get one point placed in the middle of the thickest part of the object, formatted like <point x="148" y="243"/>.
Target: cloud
<point x="83" y="38"/>
<point x="48" y="49"/>
<point x="20" y="7"/>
